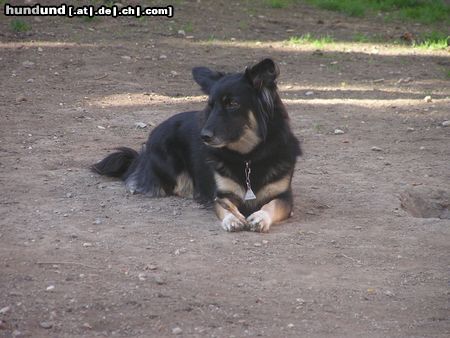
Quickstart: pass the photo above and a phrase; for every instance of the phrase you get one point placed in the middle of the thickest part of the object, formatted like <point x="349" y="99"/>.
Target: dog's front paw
<point x="231" y="223"/>
<point x="260" y="221"/>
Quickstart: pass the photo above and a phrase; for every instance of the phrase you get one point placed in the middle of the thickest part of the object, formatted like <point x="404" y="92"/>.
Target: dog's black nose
<point x="206" y="135"/>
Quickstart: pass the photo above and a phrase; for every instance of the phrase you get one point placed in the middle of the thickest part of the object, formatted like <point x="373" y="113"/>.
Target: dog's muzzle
<point x="207" y="136"/>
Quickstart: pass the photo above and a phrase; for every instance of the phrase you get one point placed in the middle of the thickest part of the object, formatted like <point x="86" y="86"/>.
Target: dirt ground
<point x="79" y="257"/>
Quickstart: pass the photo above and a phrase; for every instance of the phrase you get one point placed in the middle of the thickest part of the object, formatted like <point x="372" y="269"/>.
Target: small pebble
<point x="446" y="123"/>
<point x="180" y="251"/>
<point x="142" y="276"/>
<point x="257" y="244"/>
<point x="87" y="326"/>
<point x="126" y="57"/>
<point x="28" y="64"/>
<point x="50" y="288"/>
<point x="46" y="325"/>
<point x="290" y="325"/>
<point x="97" y="221"/>
<point x="162" y="57"/>
<point x="404" y="80"/>
<point x="5" y="310"/>
<point x="181" y="32"/>
<point x="21" y="98"/>
<point x="101" y="127"/>
<point x="376" y="149"/>
<point x="264" y="241"/>
<point x="69" y="195"/>
<point x="338" y="132"/>
<point x="309" y="93"/>
<point x="389" y="293"/>
<point x="141" y="125"/>
<point x="410" y="129"/>
<point x="428" y="98"/>
<point x="159" y="280"/>
<point x="87" y="245"/>
<point x="177" y="331"/>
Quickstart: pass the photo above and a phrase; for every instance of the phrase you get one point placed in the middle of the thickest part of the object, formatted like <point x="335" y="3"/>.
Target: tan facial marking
<point x="249" y="139"/>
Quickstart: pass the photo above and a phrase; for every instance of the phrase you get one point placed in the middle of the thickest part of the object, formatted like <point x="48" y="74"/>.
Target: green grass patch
<point x="433" y="40"/>
<point x="423" y="11"/>
<point x="309" y="39"/>
<point x="188" y="27"/>
<point x="361" y="37"/>
<point x="211" y="39"/>
<point x="20" y="26"/>
<point x="350" y="7"/>
<point x="277" y="3"/>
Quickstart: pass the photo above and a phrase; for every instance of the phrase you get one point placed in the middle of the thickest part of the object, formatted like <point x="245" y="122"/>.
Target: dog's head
<point x="240" y="106"/>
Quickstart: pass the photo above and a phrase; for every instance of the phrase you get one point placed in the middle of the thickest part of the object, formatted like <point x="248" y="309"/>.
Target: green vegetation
<point x="349" y="7"/>
<point x="188" y="27"/>
<point x="20" y="26"/>
<point x="277" y="3"/>
<point x="318" y="128"/>
<point x="309" y="39"/>
<point x="361" y="37"/>
<point x="243" y="25"/>
<point x="434" y="40"/>
<point x="424" y="11"/>
<point x="211" y="39"/>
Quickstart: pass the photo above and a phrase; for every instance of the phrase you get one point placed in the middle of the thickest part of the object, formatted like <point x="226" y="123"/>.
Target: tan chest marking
<point x="267" y="192"/>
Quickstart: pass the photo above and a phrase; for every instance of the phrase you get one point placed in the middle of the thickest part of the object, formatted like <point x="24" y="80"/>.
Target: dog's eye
<point x="232" y="104"/>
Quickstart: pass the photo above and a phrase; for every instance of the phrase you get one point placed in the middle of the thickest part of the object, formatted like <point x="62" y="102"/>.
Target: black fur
<point x="219" y="139"/>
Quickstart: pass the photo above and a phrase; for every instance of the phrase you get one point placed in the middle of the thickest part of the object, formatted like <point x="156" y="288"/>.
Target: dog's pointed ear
<point x="262" y="74"/>
<point x="206" y="77"/>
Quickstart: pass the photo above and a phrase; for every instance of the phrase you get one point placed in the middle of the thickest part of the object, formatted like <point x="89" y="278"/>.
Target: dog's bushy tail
<point x="117" y="163"/>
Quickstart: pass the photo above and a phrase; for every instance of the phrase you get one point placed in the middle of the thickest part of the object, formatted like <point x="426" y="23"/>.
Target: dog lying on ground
<point x="238" y="153"/>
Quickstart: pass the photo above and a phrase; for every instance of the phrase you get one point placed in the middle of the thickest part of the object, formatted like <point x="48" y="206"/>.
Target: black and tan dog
<point x="239" y="151"/>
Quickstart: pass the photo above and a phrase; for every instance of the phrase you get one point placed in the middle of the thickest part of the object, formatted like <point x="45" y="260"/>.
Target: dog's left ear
<point x="262" y="74"/>
<point x="206" y="78"/>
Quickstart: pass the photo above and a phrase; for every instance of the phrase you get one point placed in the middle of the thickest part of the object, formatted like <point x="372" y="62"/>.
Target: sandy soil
<point x="81" y="258"/>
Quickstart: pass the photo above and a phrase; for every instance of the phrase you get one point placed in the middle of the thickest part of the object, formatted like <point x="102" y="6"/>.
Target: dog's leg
<point x="229" y="221"/>
<point x="276" y="210"/>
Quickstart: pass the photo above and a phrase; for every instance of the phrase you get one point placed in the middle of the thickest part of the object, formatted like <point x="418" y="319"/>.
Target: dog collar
<point x="249" y="194"/>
